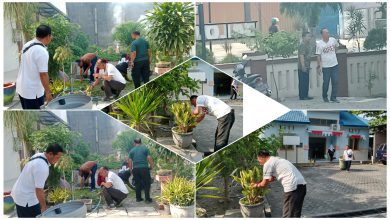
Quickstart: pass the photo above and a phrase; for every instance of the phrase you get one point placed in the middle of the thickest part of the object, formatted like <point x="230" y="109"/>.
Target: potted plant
<point x="9" y="92"/>
<point x="185" y="122"/>
<point x="58" y="195"/>
<point x="252" y="204"/>
<point x="180" y="194"/>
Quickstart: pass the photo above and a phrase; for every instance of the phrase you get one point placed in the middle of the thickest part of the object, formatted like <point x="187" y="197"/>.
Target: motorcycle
<point x="253" y="80"/>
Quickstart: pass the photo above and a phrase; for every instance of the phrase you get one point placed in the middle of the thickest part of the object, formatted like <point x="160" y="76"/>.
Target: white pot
<point x="182" y="212"/>
<point x="182" y="140"/>
<point x="252" y="211"/>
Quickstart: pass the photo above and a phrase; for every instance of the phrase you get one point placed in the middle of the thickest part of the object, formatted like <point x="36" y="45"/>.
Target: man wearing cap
<point x="140" y="164"/>
<point x="294" y="185"/>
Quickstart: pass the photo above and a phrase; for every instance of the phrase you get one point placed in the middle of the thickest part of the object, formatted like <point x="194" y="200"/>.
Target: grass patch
<point x="86" y="194"/>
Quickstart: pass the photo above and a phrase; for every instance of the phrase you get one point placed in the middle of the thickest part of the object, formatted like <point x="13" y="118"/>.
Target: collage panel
<point x="308" y="55"/>
<point x="87" y="164"/>
<point x="306" y="163"/>
<point x="85" y="55"/>
<point x="193" y="110"/>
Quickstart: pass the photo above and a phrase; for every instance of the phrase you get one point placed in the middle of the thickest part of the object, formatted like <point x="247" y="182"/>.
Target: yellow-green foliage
<point x="179" y="192"/>
<point x="252" y="195"/>
<point x="58" y="195"/>
<point x="57" y="86"/>
<point x="184" y="118"/>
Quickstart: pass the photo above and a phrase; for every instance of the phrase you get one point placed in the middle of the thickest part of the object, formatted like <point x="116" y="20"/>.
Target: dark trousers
<point x="293" y="202"/>
<point x="113" y="87"/>
<point x="125" y="176"/>
<point x="331" y="153"/>
<point x="32" y="103"/>
<point x="92" y="68"/>
<point x="111" y="195"/>
<point x="140" y="71"/>
<point x="142" y="182"/>
<point x="303" y="84"/>
<point x="330" y="74"/>
<point x="223" y="130"/>
<point x="234" y="93"/>
<point x="28" y="212"/>
<point x="93" y="180"/>
<point x="348" y="164"/>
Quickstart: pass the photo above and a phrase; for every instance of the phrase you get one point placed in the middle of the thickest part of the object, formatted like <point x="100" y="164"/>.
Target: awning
<point x="326" y="133"/>
<point x="356" y="136"/>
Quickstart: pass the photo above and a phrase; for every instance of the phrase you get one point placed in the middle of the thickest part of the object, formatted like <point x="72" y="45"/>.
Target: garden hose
<point x="97" y="206"/>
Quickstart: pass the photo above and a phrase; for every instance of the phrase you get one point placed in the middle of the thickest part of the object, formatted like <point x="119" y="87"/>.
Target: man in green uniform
<point x="304" y="55"/>
<point x="140" y="163"/>
<point x="140" y="59"/>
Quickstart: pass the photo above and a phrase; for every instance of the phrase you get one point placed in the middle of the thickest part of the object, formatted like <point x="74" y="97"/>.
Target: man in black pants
<point x="114" y="189"/>
<point x="140" y="59"/>
<point x="304" y="55"/>
<point x="205" y="104"/>
<point x="140" y="162"/>
<point x="32" y="83"/>
<point x="294" y="185"/>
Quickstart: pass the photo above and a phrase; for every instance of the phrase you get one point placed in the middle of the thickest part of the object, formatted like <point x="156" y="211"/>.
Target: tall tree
<point x="376" y="119"/>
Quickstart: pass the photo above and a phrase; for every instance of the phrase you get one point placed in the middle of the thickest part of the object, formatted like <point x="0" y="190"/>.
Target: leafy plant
<point x="184" y="119"/>
<point x="376" y="39"/>
<point x="107" y="53"/>
<point x="179" y="192"/>
<point x="170" y="25"/>
<point x="58" y="133"/>
<point x="57" y="86"/>
<point x="138" y="108"/>
<point x="58" y="195"/>
<point x="252" y="195"/>
<point x="65" y="164"/>
<point x="206" y="171"/>
<point x="123" y="31"/>
<point x="22" y="13"/>
<point x="209" y="54"/>
<point x="356" y="25"/>
<point x="63" y="54"/>
<point x="230" y="58"/>
<point x="124" y="141"/>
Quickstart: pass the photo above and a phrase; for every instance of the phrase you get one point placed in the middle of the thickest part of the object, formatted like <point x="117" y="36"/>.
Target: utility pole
<point x="201" y="29"/>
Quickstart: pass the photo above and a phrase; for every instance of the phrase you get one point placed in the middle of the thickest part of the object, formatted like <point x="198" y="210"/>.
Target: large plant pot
<point x="182" y="212"/>
<point x="252" y="211"/>
<point x="73" y="209"/>
<point x="9" y="92"/>
<point x="71" y="101"/>
<point x="342" y="164"/>
<point x="182" y="140"/>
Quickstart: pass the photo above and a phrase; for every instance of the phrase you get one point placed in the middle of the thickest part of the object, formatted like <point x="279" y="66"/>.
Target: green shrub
<point x="376" y="39"/>
<point x="58" y="195"/>
<point x="179" y="192"/>
<point x="184" y="119"/>
<point x="230" y="58"/>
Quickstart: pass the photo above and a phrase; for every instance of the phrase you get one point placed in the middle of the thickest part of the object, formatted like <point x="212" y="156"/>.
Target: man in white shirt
<point x="32" y="83"/>
<point x="114" y="82"/>
<point x="28" y="192"/>
<point x="205" y="104"/>
<point x="327" y="62"/>
<point x="348" y="157"/>
<point x="294" y="185"/>
<point x="114" y="189"/>
<point x="234" y="91"/>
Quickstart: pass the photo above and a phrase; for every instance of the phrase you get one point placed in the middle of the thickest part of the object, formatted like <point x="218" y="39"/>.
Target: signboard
<point x="197" y="75"/>
<point x="223" y="31"/>
<point x="291" y="140"/>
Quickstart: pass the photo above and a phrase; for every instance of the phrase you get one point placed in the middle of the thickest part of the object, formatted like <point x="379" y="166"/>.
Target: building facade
<point x="307" y="136"/>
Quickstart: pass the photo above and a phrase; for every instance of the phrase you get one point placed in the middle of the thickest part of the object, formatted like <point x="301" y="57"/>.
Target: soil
<point x="219" y="206"/>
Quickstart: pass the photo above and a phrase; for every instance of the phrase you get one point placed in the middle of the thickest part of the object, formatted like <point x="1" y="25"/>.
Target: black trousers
<point x="348" y="164"/>
<point x="223" y="130"/>
<point x="111" y="195"/>
<point x="303" y="84"/>
<point x="32" y="103"/>
<point x="140" y="71"/>
<point x="331" y="153"/>
<point x="113" y="87"/>
<point x="28" y="212"/>
<point x="330" y="74"/>
<point x="234" y="93"/>
<point x="293" y="202"/>
<point x="142" y="182"/>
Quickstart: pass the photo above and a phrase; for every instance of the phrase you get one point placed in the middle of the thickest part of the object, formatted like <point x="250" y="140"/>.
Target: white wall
<point x="11" y="161"/>
<point x="10" y="52"/>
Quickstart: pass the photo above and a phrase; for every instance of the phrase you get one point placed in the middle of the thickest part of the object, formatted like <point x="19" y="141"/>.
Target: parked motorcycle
<point x="253" y="80"/>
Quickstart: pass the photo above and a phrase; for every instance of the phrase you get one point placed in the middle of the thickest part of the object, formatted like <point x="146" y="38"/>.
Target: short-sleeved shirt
<point x="284" y="171"/>
<point x="117" y="182"/>
<point x="111" y="70"/>
<point x="33" y="175"/>
<point x="348" y="155"/>
<point x="139" y="156"/>
<point x="33" y="62"/>
<point x="305" y="50"/>
<point x="140" y="46"/>
<point x="215" y="106"/>
<point x="327" y="51"/>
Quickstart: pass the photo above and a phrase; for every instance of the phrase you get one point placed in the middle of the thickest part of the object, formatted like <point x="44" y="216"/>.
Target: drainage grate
<point x="353" y="213"/>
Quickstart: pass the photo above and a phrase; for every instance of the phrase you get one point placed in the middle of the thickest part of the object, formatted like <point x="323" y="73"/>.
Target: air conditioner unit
<point x="335" y="127"/>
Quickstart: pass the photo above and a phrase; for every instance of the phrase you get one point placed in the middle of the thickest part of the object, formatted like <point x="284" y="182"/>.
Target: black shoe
<point x="148" y="201"/>
<point x="306" y="98"/>
<point x="326" y="100"/>
<point x="139" y="200"/>
<point x="335" y="100"/>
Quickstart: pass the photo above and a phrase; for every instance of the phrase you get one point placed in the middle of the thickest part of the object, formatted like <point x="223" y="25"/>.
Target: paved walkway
<point x="331" y="190"/>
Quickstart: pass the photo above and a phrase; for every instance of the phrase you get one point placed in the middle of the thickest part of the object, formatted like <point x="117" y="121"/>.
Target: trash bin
<point x="342" y="164"/>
